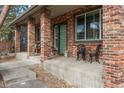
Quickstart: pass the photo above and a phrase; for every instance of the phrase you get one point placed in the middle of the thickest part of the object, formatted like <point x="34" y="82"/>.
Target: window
<point x="88" y="26"/>
<point x="81" y="27"/>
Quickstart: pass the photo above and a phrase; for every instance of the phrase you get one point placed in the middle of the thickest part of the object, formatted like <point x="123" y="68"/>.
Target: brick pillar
<point x="71" y="38"/>
<point x="31" y="36"/>
<point x="113" y="46"/>
<point x="45" y="34"/>
<point x="17" y="38"/>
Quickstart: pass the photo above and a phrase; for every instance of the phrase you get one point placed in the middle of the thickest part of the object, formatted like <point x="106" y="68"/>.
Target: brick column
<point x="17" y="39"/>
<point x="31" y="36"/>
<point x="71" y="38"/>
<point x="113" y="46"/>
<point x="45" y="34"/>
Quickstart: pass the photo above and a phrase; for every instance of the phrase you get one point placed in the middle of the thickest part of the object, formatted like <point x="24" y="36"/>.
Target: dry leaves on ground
<point x="1" y="82"/>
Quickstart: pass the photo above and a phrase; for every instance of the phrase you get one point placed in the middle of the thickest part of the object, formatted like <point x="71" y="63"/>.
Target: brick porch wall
<point x="69" y="17"/>
<point x="17" y="39"/>
<point x="113" y="46"/>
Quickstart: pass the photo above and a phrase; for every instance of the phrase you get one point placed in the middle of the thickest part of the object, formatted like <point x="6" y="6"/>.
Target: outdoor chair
<point x="81" y="51"/>
<point x="95" y="54"/>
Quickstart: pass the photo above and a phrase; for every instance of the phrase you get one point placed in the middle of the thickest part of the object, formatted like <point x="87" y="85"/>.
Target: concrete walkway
<point x="17" y="75"/>
<point x="29" y="84"/>
<point x="20" y="61"/>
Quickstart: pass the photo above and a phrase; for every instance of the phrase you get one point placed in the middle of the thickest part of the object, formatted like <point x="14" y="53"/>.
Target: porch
<point x="80" y="73"/>
<point x="63" y="28"/>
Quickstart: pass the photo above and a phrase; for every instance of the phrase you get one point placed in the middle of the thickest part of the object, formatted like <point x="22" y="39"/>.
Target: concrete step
<point x="29" y="84"/>
<point x="17" y="75"/>
<point x="11" y="65"/>
<point x="18" y="80"/>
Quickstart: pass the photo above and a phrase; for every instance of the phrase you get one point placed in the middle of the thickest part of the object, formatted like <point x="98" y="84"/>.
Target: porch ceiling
<point x="57" y="10"/>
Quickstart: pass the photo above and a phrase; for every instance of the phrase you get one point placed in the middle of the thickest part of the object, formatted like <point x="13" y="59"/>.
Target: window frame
<point x="100" y="26"/>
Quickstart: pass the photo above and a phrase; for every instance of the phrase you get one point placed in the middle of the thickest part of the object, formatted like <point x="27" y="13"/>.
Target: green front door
<point x="63" y="38"/>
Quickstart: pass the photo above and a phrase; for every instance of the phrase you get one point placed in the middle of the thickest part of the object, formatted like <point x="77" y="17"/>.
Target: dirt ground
<point x="49" y="79"/>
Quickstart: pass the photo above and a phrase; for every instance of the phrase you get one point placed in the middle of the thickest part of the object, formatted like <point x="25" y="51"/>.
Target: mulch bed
<point x="49" y="79"/>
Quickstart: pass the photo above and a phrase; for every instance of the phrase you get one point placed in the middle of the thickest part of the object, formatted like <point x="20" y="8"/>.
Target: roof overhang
<point x="26" y="14"/>
<point x="55" y="10"/>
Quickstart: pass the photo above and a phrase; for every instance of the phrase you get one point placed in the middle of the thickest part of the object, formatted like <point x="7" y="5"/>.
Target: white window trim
<point x="85" y="26"/>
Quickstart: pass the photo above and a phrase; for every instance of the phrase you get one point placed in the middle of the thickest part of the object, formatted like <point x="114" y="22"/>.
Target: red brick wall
<point x="31" y="36"/>
<point x="46" y="38"/>
<point x="70" y="19"/>
<point x="17" y="38"/>
<point x="113" y="46"/>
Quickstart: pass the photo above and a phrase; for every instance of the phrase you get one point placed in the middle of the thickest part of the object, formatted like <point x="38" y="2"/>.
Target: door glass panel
<point x="56" y="35"/>
<point x="23" y="39"/>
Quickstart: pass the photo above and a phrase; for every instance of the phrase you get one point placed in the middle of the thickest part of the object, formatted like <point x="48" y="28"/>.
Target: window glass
<point x="88" y="26"/>
<point x="80" y="28"/>
<point x="92" y="25"/>
<point x="56" y="39"/>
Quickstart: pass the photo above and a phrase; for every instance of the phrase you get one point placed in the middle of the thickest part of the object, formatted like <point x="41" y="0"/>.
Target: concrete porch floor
<point x="22" y="56"/>
<point x="79" y="73"/>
